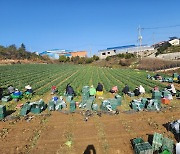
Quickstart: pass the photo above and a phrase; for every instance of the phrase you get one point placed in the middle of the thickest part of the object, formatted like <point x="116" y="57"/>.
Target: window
<point x="103" y="53"/>
<point x="108" y="52"/>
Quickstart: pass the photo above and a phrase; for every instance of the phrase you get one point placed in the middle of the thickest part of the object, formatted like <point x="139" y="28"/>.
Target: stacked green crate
<point x="58" y="105"/>
<point x="157" y="141"/>
<point x="72" y="106"/>
<point x="168" y="145"/>
<point x="156" y="95"/>
<point x="38" y="107"/>
<point x="137" y="105"/>
<point x="89" y="103"/>
<point x="137" y="141"/>
<point x="51" y="106"/>
<point x="104" y="104"/>
<point x="143" y="148"/>
<point x="85" y="94"/>
<point x="154" y="104"/>
<point x="25" y="109"/>
<point x="144" y="101"/>
<point x="2" y="111"/>
<point x="119" y="99"/>
<point x="95" y="107"/>
<point x="166" y="93"/>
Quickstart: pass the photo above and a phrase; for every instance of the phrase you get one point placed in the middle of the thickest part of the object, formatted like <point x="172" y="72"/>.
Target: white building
<point x="174" y="42"/>
<point x="124" y="49"/>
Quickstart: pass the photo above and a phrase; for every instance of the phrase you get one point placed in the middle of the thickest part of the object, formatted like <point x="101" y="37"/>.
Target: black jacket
<point x="125" y="90"/>
<point x="99" y="87"/>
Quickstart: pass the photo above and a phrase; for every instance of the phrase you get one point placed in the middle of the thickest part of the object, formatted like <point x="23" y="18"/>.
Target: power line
<point x="172" y="26"/>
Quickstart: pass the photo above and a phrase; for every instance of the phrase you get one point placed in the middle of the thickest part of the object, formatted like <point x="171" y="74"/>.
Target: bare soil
<point x="50" y="131"/>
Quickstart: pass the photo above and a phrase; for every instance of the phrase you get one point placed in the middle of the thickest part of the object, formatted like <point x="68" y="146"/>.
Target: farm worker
<point x="136" y="91"/>
<point x="92" y="91"/>
<point x="17" y="93"/>
<point x="99" y="89"/>
<point x="53" y="89"/>
<point x="114" y="89"/>
<point x="172" y="89"/>
<point x="11" y="89"/>
<point x="156" y="88"/>
<point x="125" y="89"/>
<point x="69" y="90"/>
<point x="28" y="89"/>
<point x="141" y="89"/>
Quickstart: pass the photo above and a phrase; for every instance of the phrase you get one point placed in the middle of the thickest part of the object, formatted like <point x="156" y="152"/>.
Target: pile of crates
<point x="56" y="104"/>
<point x="2" y="111"/>
<point x="161" y="143"/>
<point x="34" y="107"/>
<point x="139" y="105"/>
<point x="141" y="147"/>
<point x="5" y="99"/>
<point x="87" y="100"/>
<point x="144" y="103"/>
<point x="111" y="104"/>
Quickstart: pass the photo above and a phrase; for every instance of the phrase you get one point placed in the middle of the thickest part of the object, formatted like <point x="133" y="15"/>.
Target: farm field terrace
<point x="49" y="131"/>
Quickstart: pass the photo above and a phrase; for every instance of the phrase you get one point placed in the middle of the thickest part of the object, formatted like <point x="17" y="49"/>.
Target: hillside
<point x="12" y="54"/>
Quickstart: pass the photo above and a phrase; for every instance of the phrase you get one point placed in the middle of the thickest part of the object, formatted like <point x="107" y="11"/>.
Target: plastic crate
<point x="156" y="95"/>
<point x="72" y="106"/>
<point x="2" y="109"/>
<point x="6" y="98"/>
<point x="23" y="111"/>
<point x="168" y="145"/>
<point x="143" y="148"/>
<point x="166" y="93"/>
<point x="131" y="94"/>
<point x="137" y="141"/>
<point x="2" y="116"/>
<point x="119" y="99"/>
<point x="157" y="141"/>
<point x="51" y="106"/>
<point x="95" y="107"/>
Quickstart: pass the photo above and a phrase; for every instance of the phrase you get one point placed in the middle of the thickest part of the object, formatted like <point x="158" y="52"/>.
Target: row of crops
<point x="42" y="76"/>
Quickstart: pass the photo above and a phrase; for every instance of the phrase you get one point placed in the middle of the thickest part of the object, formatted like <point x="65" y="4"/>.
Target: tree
<point x="62" y="58"/>
<point x="95" y="58"/>
<point x="22" y="47"/>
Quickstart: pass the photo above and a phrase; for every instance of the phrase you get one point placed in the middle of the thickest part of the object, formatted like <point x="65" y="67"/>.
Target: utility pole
<point x="140" y="39"/>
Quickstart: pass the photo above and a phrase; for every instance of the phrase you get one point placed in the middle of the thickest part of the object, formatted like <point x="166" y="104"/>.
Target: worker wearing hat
<point x="92" y="91"/>
<point x="28" y="89"/>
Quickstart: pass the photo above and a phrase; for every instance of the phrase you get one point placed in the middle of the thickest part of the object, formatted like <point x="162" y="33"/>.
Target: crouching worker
<point x="99" y="89"/>
<point x="141" y="89"/>
<point x="28" y="89"/>
<point x="69" y="90"/>
<point x="16" y="95"/>
<point x="10" y="89"/>
<point x="172" y="89"/>
<point x="114" y="90"/>
<point x="92" y="91"/>
<point x="53" y="90"/>
<point x="136" y="91"/>
<point x="29" y="92"/>
<point x="125" y="89"/>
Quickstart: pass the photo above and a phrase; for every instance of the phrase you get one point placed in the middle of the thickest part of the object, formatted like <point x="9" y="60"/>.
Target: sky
<point x="89" y="25"/>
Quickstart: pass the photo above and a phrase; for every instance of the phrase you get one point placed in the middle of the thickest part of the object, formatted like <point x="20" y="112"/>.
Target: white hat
<point x="16" y="89"/>
<point x="28" y="87"/>
<point x="92" y="86"/>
